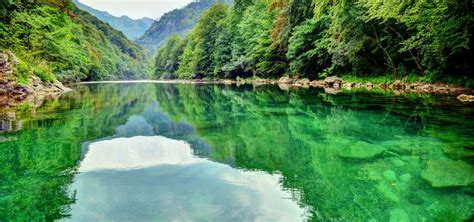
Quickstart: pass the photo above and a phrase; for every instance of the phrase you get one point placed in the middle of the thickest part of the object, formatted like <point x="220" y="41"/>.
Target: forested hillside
<point x="179" y="21"/>
<point x="54" y="40"/>
<point x="357" y="39"/>
<point x="131" y="28"/>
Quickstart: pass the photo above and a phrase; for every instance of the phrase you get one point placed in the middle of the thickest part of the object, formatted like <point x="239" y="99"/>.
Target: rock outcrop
<point x="12" y="92"/>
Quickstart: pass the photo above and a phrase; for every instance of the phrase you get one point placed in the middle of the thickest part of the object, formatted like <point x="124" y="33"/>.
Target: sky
<point x="136" y="9"/>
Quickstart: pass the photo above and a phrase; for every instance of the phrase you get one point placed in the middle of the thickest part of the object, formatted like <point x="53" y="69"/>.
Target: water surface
<point x="177" y="152"/>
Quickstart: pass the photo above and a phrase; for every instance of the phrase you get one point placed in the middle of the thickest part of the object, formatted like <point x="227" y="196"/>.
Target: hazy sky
<point x="136" y="8"/>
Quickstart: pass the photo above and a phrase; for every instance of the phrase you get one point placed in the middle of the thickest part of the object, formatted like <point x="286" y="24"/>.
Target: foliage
<point x="179" y="21"/>
<point x="426" y="40"/>
<point x="54" y="40"/>
<point x="167" y="57"/>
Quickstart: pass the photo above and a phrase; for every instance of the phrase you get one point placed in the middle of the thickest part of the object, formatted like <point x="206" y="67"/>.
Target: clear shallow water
<point x="160" y="152"/>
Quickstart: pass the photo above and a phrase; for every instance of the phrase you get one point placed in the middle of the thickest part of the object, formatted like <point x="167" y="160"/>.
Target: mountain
<point x="132" y="28"/>
<point x="54" y="40"/>
<point x="179" y="21"/>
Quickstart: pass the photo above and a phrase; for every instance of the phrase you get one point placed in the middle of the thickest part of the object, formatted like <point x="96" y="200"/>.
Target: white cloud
<point x="136" y="8"/>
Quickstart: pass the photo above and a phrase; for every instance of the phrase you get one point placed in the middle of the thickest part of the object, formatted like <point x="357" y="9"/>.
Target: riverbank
<point x="331" y="85"/>
<point x="335" y="85"/>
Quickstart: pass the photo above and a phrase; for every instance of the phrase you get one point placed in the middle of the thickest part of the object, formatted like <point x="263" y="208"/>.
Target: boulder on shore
<point x="466" y="98"/>
<point x="197" y="76"/>
<point x="285" y="80"/>
<point x="169" y="76"/>
<point x="369" y="85"/>
<point x="448" y="173"/>
<point x="304" y="82"/>
<point x="347" y="85"/>
<point x="333" y="82"/>
<point x="317" y="83"/>
<point x="398" y="85"/>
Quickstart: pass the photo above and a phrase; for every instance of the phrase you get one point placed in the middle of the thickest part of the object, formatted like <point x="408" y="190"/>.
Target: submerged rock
<point x="459" y="150"/>
<point x="390" y="175"/>
<point x="388" y="193"/>
<point x="399" y="215"/>
<point x="415" y="198"/>
<point x="448" y="173"/>
<point x="362" y="150"/>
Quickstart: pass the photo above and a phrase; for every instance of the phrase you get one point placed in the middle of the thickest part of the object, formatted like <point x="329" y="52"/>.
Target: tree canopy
<point x="56" y="41"/>
<point x="409" y="40"/>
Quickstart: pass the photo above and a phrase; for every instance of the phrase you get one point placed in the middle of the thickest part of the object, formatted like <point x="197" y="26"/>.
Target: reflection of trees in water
<point x="298" y="133"/>
<point x="9" y="122"/>
<point x="39" y="163"/>
<point x="302" y="134"/>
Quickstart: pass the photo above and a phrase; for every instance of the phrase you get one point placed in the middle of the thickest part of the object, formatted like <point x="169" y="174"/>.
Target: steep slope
<point x="179" y="21"/>
<point x="131" y="28"/>
<point x="53" y="40"/>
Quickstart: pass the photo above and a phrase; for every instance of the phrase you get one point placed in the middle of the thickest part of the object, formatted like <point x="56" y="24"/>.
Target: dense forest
<point x="179" y="21"/>
<point x="131" y="28"/>
<point x="423" y="40"/>
<point x="56" y="41"/>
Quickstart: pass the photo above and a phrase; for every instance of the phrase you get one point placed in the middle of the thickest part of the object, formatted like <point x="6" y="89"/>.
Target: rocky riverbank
<point x="335" y="85"/>
<point x="33" y="91"/>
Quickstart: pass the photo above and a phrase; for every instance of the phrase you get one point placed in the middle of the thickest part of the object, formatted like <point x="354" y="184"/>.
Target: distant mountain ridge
<point x="179" y="21"/>
<point x="131" y="28"/>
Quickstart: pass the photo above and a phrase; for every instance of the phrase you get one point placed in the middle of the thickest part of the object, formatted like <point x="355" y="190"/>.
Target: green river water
<point x="181" y="152"/>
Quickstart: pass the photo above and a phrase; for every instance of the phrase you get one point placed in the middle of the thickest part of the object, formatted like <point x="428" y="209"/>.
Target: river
<point x="188" y="152"/>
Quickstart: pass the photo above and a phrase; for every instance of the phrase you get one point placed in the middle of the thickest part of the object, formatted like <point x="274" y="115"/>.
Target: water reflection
<point x="157" y="178"/>
<point x="344" y="157"/>
<point x="9" y="122"/>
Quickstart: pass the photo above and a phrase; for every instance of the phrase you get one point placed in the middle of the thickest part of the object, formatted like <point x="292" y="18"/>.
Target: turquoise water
<point x="176" y="152"/>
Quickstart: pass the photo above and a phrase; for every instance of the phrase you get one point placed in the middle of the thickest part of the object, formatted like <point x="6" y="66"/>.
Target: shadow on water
<point x="238" y="153"/>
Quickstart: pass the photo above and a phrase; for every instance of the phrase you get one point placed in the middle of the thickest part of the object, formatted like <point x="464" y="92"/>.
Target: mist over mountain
<point x="131" y="28"/>
<point x="179" y="21"/>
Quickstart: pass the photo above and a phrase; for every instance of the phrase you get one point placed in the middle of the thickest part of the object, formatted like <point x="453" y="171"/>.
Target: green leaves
<point x="363" y="38"/>
<point x="55" y="46"/>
